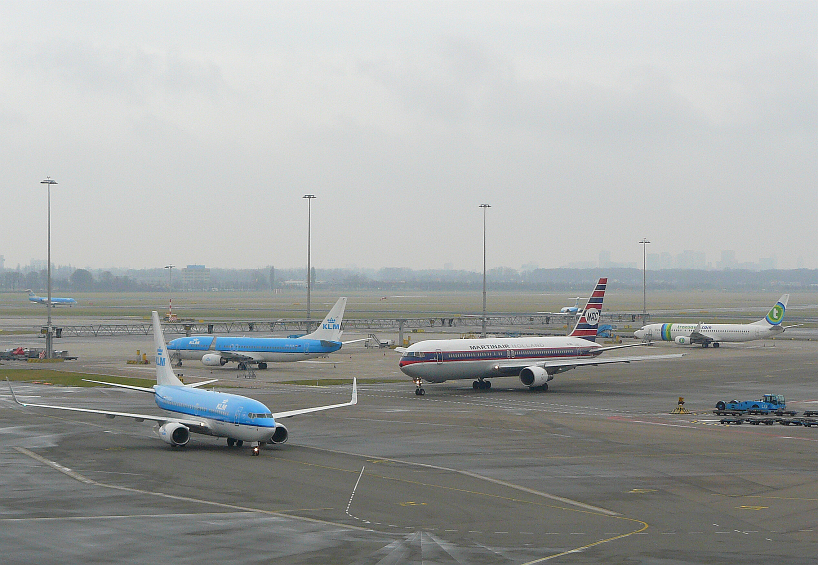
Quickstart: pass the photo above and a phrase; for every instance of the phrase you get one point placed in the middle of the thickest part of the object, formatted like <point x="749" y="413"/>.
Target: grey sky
<point x="188" y="132"/>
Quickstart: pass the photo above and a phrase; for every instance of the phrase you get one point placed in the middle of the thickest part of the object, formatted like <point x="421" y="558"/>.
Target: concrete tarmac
<point x="596" y="470"/>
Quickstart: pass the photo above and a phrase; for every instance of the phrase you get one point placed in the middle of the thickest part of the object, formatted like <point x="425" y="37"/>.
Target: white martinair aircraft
<point x="236" y="417"/>
<point x="534" y="360"/>
<point x="706" y="334"/>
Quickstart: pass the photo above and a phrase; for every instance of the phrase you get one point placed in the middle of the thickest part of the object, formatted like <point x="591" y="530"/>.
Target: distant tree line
<point x="398" y="279"/>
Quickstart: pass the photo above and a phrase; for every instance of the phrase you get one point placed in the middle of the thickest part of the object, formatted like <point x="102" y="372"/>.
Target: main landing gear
<point x="419" y="391"/>
<point x="480" y="384"/>
<point x="237" y="442"/>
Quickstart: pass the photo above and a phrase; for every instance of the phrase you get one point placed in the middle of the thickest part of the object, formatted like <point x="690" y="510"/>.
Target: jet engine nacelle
<point x="213" y="360"/>
<point x="534" y="376"/>
<point x="174" y="433"/>
<point x="683" y="340"/>
<point x="281" y="435"/>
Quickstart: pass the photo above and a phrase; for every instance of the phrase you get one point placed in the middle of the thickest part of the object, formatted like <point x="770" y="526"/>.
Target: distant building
<point x="728" y="259"/>
<point x="657" y="261"/>
<point x="691" y="260"/>
<point x="196" y="277"/>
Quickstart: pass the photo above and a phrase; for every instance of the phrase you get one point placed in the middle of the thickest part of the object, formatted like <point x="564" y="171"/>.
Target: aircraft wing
<point x="513" y="368"/>
<point x="198" y="426"/>
<point x="300" y="411"/>
<point x="240" y="356"/>
<point x="696" y="336"/>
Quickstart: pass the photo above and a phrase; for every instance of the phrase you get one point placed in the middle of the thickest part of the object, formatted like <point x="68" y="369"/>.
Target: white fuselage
<point x="716" y="332"/>
<point x="451" y="359"/>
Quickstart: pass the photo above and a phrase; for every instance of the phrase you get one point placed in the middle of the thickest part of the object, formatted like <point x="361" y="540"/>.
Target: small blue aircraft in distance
<point x="54" y="301"/>
<point x="236" y="417"/>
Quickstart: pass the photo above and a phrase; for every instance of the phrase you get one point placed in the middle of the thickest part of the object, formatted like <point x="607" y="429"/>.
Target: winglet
<point x="354" y="391"/>
<point x="14" y="396"/>
<point x="164" y="372"/>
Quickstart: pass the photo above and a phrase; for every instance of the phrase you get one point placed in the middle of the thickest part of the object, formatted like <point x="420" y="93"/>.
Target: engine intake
<point x="281" y="435"/>
<point x="213" y="360"/>
<point x="683" y="340"/>
<point x="534" y="376"/>
<point x="174" y="433"/>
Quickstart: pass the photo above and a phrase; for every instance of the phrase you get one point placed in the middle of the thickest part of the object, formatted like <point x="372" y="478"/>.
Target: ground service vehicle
<point x="768" y="403"/>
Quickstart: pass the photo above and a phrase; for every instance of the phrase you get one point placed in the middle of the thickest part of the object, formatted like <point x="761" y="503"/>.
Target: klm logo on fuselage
<point x="195" y="341"/>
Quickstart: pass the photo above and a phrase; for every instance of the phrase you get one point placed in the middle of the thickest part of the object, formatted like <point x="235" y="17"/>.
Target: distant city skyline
<point x="686" y="259"/>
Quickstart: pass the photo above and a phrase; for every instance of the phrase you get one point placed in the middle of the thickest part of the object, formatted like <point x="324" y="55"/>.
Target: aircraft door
<point x="439" y="356"/>
<point x="237" y="417"/>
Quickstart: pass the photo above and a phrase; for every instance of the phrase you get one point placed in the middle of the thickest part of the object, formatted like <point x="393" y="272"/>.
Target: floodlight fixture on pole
<point x="309" y="198"/>
<point x="644" y="243"/>
<point x="49" y="346"/>
<point x="484" y="206"/>
<point x="170" y="276"/>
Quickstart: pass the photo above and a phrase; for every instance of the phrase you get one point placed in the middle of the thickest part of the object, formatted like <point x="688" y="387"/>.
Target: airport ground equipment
<point x="768" y="403"/>
<point x="680" y="409"/>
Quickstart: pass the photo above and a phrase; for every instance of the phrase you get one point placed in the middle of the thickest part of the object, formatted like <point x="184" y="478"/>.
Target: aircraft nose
<point x="639" y="334"/>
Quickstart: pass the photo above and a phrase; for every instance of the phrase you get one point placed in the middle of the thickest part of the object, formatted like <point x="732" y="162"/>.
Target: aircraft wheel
<point x="488" y="384"/>
<point x="420" y="391"/>
<point x="262" y="366"/>
<point x="231" y="442"/>
<point x="715" y="344"/>
<point x="239" y="442"/>
<point x="241" y="366"/>
<point x="475" y="385"/>
<point x="545" y="387"/>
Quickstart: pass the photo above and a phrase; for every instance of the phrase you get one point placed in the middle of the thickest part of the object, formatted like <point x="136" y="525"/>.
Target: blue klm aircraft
<point x="220" y="414"/>
<point x="54" y="301"/>
<point x="217" y="351"/>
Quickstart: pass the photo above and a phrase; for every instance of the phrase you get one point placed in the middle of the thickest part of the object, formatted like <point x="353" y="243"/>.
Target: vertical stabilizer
<point x="330" y="327"/>
<point x="164" y="372"/>
<point x="588" y="323"/>
<point x="776" y="314"/>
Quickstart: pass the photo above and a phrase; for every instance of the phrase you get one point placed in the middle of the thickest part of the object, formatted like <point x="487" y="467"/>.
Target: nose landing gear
<point x="419" y="391"/>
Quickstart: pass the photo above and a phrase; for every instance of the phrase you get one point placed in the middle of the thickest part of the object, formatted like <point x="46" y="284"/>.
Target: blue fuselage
<point x="274" y="349"/>
<point x="228" y="415"/>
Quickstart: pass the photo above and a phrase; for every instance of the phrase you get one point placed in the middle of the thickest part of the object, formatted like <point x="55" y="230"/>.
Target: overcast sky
<point x="188" y="132"/>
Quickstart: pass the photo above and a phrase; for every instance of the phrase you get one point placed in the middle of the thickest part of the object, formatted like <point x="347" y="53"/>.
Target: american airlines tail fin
<point x="776" y="314"/>
<point x="330" y="327"/>
<point x="164" y="372"/>
<point x="588" y="323"/>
